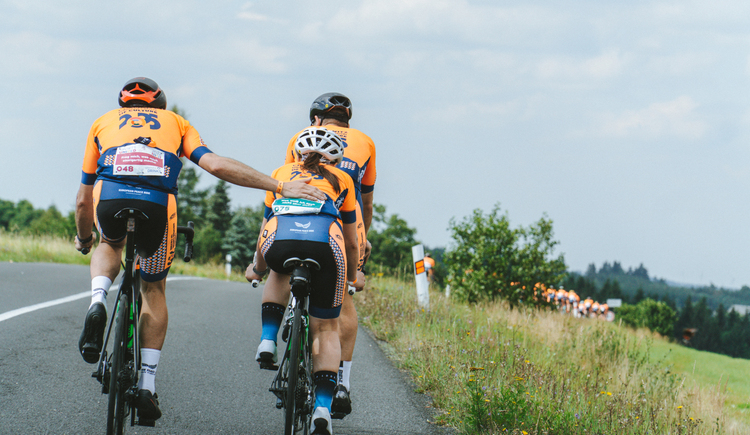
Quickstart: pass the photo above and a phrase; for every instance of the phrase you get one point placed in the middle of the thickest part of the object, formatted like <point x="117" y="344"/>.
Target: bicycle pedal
<point x="268" y="365"/>
<point x="146" y="422"/>
<point x="279" y="403"/>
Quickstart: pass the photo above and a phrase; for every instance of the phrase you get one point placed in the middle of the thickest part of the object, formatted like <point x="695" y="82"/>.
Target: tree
<point x="219" y="211"/>
<point x="242" y="235"/>
<point x="639" y="295"/>
<point x="7" y="211"/>
<point x="191" y="201"/>
<point x="391" y="240"/>
<point x="641" y="272"/>
<point x="24" y="214"/>
<point x="51" y="221"/>
<point x="656" y="316"/>
<point x="591" y="271"/>
<point x="490" y="260"/>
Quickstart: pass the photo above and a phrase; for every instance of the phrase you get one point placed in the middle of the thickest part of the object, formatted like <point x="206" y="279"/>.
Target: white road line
<point x="13" y="313"/>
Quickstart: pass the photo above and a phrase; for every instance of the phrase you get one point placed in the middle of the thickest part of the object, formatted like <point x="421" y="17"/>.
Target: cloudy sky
<point x="627" y="123"/>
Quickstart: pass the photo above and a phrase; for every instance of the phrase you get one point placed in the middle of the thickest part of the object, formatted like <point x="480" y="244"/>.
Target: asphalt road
<point x="208" y="382"/>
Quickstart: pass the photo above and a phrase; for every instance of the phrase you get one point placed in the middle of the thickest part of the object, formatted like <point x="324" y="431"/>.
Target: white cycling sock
<point x="99" y="287"/>
<point x="149" y="361"/>
<point x="345" y="368"/>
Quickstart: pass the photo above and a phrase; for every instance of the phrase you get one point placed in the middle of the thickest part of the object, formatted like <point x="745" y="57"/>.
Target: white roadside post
<point x="423" y="293"/>
<point x="228" y="266"/>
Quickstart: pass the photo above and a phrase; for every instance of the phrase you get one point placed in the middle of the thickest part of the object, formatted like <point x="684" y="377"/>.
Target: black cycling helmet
<point x="328" y="101"/>
<point x="142" y="91"/>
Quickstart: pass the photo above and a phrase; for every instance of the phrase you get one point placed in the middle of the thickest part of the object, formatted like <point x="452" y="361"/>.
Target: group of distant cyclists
<point x="132" y="160"/>
<point x="568" y="302"/>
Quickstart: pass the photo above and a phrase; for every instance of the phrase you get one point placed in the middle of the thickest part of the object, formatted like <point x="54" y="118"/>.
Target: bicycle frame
<point x="293" y="383"/>
<point x="125" y="362"/>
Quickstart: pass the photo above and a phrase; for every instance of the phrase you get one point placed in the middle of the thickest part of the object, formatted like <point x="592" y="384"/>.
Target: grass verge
<point x="493" y="370"/>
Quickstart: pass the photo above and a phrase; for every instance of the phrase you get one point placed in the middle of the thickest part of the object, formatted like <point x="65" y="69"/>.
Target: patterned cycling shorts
<point x="279" y="242"/>
<point x="155" y="237"/>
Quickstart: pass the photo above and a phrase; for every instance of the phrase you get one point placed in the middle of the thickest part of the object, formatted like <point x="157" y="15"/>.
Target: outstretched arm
<point x="238" y="173"/>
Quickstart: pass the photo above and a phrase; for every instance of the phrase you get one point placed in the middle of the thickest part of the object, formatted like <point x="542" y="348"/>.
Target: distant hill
<point x="634" y="284"/>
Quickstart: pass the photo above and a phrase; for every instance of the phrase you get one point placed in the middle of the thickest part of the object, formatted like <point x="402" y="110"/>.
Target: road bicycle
<point x="293" y="384"/>
<point x="118" y="372"/>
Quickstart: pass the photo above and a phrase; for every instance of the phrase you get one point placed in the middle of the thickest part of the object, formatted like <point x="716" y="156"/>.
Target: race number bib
<point x="296" y="206"/>
<point x="138" y="159"/>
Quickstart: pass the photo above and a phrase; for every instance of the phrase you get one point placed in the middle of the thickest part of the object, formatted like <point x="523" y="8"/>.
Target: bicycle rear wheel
<point x="119" y="379"/>
<point x="290" y="416"/>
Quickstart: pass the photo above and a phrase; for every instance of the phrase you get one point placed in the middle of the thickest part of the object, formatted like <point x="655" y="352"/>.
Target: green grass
<point x="707" y="371"/>
<point x="492" y="370"/>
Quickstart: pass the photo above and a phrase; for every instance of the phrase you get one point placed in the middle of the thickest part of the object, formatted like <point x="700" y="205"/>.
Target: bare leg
<point x="106" y="259"/>
<point x="154" y="315"/>
<point x="277" y="289"/>
<point x="326" y="349"/>
<point x="348" y="323"/>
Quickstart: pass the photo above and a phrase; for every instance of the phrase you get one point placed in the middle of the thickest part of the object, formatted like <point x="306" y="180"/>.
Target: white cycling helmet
<point x="319" y="140"/>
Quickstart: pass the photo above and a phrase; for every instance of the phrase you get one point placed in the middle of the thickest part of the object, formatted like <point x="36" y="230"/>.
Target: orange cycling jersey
<point x="140" y="146"/>
<point x="340" y="205"/>
<point x="359" y="157"/>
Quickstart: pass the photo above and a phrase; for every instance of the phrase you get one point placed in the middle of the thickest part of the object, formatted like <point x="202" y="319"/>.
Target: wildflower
<point x="679" y="407"/>
<point x="609" y="394"/>
<point x="578" y="417"/>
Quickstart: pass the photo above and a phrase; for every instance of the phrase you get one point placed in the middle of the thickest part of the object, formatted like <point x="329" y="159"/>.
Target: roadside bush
<point x="490" y="260"/>
<point x="648" y="313"/>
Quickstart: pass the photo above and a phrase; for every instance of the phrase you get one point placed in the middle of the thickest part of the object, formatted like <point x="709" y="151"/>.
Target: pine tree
<point x="242" y="235"/>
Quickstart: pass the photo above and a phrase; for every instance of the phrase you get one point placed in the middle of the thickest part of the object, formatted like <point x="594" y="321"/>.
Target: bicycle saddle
<point x="131" y="212"/>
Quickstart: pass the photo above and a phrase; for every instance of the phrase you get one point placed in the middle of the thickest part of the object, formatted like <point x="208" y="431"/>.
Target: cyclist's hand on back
<point x="301" y="189"/>
<point x="89" y="243"/>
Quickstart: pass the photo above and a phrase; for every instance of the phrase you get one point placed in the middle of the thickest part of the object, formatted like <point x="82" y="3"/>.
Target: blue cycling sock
<point x="271" y="315"/>
<point x="325" y="383"/>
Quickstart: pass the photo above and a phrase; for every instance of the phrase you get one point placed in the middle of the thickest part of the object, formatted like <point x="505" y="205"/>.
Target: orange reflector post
<point x="419" y="265"/>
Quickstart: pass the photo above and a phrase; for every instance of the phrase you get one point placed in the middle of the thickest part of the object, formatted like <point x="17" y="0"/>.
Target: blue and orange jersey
<point x="340" y="205"/>
<point x="359" y="157"/>
<point x="140" y="146"/>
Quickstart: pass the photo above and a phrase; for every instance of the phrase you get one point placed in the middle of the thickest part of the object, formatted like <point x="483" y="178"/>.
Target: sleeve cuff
<point x="199" y="152"/>
<point x="367" y="189"/>
<point x="349" y="217"/>
<point x="88" y="179"/>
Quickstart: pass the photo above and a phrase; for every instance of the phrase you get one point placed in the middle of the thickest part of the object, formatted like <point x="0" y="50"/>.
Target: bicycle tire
<point x="290" y="420"/>
<point x="116" y="411"/>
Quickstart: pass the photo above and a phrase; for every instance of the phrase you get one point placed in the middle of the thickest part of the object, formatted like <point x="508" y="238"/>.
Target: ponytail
<point x="312" y="164"/>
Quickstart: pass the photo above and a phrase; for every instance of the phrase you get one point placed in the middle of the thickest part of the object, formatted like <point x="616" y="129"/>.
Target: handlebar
<point x="189" y="233"/>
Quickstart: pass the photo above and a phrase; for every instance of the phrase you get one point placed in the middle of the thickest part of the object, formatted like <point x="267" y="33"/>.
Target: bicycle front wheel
<point x="118" y="379"/>
<point x="292" y="367"/>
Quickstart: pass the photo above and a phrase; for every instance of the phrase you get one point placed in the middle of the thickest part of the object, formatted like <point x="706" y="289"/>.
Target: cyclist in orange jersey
<point x="594" y="310"/>
<point x="603" y="309"/>
<point x="429" y="266"/>
<point x="312" y="231"/>
<point x="587" y="306"/>
<point x="573" y="300"/>
<point x="132" y="159"/>
<point x="333" y="111"/>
